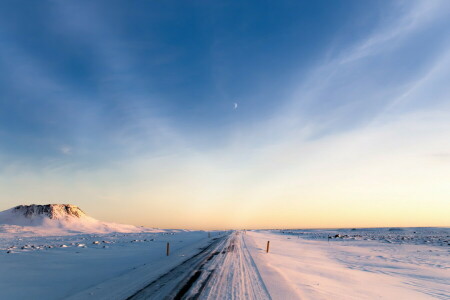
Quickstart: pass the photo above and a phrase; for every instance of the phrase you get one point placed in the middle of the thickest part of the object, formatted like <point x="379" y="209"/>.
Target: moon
<point x="235" y="105"/>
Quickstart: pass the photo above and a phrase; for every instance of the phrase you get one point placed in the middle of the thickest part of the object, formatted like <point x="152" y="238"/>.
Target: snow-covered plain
<point x="408" y="263"/>
<point x="56" y="251"/>
<point x="57" y="267"/>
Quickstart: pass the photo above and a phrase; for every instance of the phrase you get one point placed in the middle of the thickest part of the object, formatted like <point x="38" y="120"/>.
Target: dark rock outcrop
<point x="53" y="211"/>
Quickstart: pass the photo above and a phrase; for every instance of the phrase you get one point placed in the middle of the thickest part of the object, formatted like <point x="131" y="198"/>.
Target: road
<point x="222" y="270"/>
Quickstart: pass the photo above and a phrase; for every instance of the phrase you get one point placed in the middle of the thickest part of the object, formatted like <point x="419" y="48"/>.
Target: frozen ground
<point x="409" y="263"/>
<point x="57" y="267"/>
<point x="225" y="270"/>
<point x="357" y="264"/>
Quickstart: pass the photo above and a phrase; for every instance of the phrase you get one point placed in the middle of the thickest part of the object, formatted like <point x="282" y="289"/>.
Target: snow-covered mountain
<point x="57" y="219"/>
<point x="36" y="215"/>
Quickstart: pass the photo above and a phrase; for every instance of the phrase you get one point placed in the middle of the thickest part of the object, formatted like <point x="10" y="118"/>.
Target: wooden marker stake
<point x="168" y="249"/>
<point x="268" y="243"/>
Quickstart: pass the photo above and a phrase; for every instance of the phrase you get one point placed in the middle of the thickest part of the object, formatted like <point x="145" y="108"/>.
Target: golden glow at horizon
<point x="374" y="177"/>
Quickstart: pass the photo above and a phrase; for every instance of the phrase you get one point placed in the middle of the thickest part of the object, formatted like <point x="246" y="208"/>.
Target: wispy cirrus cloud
<point x="364" y="126"/>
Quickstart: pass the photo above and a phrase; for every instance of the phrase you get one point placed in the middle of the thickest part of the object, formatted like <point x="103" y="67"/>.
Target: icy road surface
<point x="223" y="270"/>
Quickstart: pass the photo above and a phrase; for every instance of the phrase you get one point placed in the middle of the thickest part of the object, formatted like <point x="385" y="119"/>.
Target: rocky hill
<point x="57" y="219"/>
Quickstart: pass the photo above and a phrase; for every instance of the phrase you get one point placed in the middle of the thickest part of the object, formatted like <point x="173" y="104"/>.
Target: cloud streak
<point x="359" y="138"/>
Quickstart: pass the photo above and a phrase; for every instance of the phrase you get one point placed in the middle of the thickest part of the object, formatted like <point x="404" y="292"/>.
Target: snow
<point x="61" y="266"/>
<point x="224" y="270"/>
<point x="232" y="274"/>
<point x="308" y="266"/>
<point x="406" y="263"/>
<point x="55" y="251"/>
<point x="57" y="219"/>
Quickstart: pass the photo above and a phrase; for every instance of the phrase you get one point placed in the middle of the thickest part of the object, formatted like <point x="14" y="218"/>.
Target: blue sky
<point x="112" y="102"/>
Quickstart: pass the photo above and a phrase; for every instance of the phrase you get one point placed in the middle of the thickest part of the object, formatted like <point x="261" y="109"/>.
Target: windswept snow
<point x="57" y="267"/>
<point x="381" y="264"/>
<point x="409" y="263"/>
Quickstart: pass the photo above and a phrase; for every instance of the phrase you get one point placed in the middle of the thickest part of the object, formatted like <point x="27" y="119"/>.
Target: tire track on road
<point x="223" y="270"/>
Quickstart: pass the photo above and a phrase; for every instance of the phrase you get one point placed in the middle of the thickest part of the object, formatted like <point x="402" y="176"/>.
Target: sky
<point x="228" y="114"/>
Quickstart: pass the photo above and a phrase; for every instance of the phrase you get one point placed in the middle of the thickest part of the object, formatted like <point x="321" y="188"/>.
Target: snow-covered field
<point x="56" y="251"/>
<point x="412" y="263"/>
<point x="61" y="266"/>
<point x="409" y="263"/>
